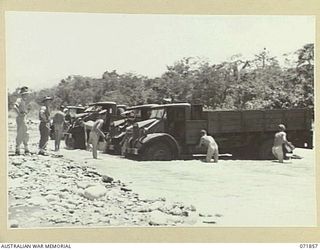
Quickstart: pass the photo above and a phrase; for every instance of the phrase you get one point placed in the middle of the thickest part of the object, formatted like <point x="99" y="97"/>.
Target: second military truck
<point x="172" y="131"/>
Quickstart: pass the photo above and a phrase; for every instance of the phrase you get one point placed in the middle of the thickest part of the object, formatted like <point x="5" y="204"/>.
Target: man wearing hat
<point x="280" y="139"/>
<point x="58" y="122"/>
<point x="44" y="127"/>
<point x="22" y="129"/>
<point x="210" y="143"/>
<point x="96" y="132"/>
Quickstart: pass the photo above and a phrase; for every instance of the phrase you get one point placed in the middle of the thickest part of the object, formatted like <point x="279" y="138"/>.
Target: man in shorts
<point x="58" y="123"/>
<point x="210" y="143"/>
<point x="96" y="132"/>
<point x="44" y="127"/>
<point x="20" y="107"/>
<point x="280" y="138"/>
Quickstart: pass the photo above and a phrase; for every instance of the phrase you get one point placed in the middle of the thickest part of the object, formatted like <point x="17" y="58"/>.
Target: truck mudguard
<point x="154" y="137"/>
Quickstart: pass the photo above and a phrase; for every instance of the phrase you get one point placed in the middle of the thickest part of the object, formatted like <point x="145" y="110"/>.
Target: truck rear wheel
<point x="265" y="150"/>
<point x="158" y="151"/>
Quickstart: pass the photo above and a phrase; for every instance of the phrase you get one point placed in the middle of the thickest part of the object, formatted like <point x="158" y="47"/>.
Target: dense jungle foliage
<point x="259" y="83"/>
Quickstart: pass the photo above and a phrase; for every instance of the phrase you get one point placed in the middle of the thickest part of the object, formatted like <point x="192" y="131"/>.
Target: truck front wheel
<point x="158" y="151"/>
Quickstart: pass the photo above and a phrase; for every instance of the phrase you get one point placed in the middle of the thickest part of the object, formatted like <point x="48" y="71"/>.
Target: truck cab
<point x="170" y="132"/>
<point x="118" y="128"/>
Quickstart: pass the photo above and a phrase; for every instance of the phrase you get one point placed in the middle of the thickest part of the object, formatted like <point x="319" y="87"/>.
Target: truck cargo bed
<point x="256" y="120"/>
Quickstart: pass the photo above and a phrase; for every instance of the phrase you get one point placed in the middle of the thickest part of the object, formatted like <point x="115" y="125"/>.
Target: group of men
<point x="58" y="121"/>
<point x="280" y="140"/>
<point x="21" y="110"/>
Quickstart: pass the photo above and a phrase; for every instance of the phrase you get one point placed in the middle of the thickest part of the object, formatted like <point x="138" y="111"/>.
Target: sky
<point x="42" y="48"/>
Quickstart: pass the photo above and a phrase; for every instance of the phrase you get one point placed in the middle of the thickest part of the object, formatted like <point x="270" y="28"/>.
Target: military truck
<point x="172" y="132"/>
<point x="118" y="128"/>
<point x="75" y="136"/>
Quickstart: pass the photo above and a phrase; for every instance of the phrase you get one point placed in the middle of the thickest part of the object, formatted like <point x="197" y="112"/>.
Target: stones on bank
<point x="56" y="192"/>
<point x="94" y="192"/>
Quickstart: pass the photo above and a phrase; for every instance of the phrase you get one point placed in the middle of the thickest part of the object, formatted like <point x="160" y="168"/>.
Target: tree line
<point x="258" y="83"/>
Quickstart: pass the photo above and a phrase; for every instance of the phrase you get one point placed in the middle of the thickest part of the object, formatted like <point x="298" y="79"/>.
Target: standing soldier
<point x="211" y="144"/>
<point x="22" y="129"/>
<point x="96" y="132"/>
<point x="280" y="139"/>
<point x="58" y="123"/>
<point x="44" y="127"/>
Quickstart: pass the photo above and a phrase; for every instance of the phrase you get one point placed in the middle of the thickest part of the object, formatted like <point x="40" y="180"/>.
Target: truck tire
<point x="158" y="151"/>
<point x="265" y="150"/>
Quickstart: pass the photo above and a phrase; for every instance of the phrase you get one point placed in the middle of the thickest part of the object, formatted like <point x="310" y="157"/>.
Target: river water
<point x="235" y="192"/>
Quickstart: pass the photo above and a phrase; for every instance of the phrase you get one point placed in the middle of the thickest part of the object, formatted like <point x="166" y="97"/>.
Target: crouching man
<point x="210" y="143"/>
<point x="280" y="139"/>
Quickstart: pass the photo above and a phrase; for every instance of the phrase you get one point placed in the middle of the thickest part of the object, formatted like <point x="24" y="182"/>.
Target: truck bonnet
<point x="142" y="124"/>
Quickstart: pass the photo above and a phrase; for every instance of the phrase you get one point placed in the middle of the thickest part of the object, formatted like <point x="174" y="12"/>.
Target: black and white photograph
<point x="159" y="120"/>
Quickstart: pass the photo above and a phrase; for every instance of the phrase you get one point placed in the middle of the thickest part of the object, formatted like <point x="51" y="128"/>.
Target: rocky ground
<point x="52" y="191"/>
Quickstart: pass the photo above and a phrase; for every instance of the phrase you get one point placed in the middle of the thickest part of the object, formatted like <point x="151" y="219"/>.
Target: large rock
<point x="158" y="205"/>
<point x="17" y="162"/>
<point x="14" y="224"/>
<point x="107" y="179"/>
<point x="16" y="183"/>
<point x="158" y="218"/>
<point x="125" y="189"/>
<point x="143" y="209"/>
<point x="38" y="201"/>
<point x="192" y="208"/>
<point x="52" y="197"/>
<point x="80" y="192"/>
<point x="179" y="212"/>
<point x="95" y="192"/>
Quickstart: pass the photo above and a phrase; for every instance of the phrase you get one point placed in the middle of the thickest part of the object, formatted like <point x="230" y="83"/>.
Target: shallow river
<point x="236" y="192"/>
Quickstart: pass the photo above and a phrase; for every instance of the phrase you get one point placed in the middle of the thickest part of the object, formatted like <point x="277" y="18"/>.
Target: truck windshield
<point x="97" y="108"/>
<point x="137" y="113"/>
<point x="158" y="114"/>
<point x="72" y="112"/>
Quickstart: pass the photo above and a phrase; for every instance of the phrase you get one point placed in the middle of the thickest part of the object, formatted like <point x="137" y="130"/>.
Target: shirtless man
<point x="96" y="132"/>
<point x="280" y="138"/>
<point x="58" y="123"/>
<point x="44" y="127"/>
<point x="211" y="144"/>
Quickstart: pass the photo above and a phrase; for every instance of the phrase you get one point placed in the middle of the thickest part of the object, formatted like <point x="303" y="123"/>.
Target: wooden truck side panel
<point x="193" y="128"/>
<point x="220" y="122"/>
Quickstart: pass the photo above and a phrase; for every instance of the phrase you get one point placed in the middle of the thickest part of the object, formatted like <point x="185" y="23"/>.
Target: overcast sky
<point x="43" y="48"/>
